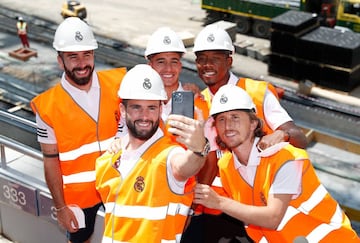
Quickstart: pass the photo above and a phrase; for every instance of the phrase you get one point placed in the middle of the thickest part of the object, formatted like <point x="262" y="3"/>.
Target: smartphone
<point x="182" y="103"/>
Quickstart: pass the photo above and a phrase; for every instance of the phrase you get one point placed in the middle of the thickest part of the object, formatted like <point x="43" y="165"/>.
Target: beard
<point x="141" y="134"/>
<point x="79" y="81"/>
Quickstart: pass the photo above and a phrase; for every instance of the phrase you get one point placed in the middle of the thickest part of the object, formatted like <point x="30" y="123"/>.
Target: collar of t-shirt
<point x="248" y="171"/>
<point x="89" y="101"/>
<point x="232" y="80"/>
<point x="129" y="158"/>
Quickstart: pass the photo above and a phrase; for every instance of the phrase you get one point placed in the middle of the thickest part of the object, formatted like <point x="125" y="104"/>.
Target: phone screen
<point x="182" y="103"/>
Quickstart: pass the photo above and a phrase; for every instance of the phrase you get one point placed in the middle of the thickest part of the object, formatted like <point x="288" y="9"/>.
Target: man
<point x="276" y="192"/>
<point x="143" y="184"/>
<point x="21" y="27"/>
<point x="164" y="51"/>
<point x="74" y="127"/>
<point x="213" y="49"/>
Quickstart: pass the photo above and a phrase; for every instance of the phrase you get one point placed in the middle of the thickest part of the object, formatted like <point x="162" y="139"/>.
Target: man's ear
<point x="254" y="124"/>
<point x="229" y="61"/>
<point x="122" y="110"/>
<point x="60" y="62"/>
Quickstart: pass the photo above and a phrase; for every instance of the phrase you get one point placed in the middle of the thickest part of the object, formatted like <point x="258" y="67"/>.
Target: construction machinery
<point x="255" y="15"/>
<point x="73" y="8"/>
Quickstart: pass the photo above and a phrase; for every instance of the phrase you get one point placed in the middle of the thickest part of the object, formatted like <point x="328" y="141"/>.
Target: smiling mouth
<point x="143" y="124"/>
<point x="167" y="76"/>
<point x="209" y="73"/>
<point x="230" y="134"/>
<point x="82" y="72"/>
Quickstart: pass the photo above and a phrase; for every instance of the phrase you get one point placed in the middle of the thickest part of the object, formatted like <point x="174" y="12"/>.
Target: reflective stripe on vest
<point x="82" y="177"/>
<point x="84" y="149"/>
<point x="146" y="212"/>
<point x="110" y="240"/>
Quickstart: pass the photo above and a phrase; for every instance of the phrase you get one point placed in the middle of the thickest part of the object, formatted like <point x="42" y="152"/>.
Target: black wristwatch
<point x="205" y="151"/>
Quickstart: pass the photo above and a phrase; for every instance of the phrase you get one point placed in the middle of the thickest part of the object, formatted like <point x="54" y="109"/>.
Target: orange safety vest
<point x="256" y="89"/>
<point x="314" y="214"/>
<point x="141" y="207"/>
<point x="81" y="139"/>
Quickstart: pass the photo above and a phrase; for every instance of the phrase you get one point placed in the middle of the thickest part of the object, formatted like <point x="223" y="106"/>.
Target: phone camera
<point x="178" y="98"/>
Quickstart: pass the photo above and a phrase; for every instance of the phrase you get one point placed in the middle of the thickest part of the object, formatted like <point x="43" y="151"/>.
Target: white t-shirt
<point x="129" y="159"/>
<point x="275" y="114"/>
<point x="288" y="178"/>
<point x="89" y="101"/>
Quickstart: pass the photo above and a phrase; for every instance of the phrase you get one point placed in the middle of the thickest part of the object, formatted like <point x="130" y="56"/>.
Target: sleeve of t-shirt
<point x="275" y="114"/>
<point x="288" y="179"/>
<point x="175" y="185"/>
<point x="45" y="133"/>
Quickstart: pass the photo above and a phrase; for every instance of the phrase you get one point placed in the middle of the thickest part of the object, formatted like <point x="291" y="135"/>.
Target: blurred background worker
<point x="276" y="191"/>
<point x="21" y="26"/>
<point x="143" y="185"/>
<point x="213" y="48"/>
<point x="76" y="121"/>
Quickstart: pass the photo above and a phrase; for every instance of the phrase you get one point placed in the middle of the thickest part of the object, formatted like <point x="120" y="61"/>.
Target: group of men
<point x="109" y="138"/>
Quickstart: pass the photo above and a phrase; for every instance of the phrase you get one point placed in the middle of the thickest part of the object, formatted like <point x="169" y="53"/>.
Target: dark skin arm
<point x="297" y="137"/>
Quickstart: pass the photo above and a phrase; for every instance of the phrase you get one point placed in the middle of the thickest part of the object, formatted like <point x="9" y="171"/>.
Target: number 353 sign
<point x="18" y="195"/>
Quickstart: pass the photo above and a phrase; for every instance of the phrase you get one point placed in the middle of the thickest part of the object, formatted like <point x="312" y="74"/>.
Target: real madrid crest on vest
<point x="139" y="185"/>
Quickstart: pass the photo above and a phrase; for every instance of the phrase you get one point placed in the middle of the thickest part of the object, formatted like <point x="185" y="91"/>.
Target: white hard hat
<point x="164" y="39"/>
<point x="142" y="82"/>
<point x="73" y="34"/>
<point x="213" y="37"/>
<point x="231" y="97"/>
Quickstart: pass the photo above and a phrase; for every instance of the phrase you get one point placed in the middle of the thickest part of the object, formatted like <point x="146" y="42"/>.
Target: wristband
<point x="50" y="155"/>
<point x="60" y="209"/>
